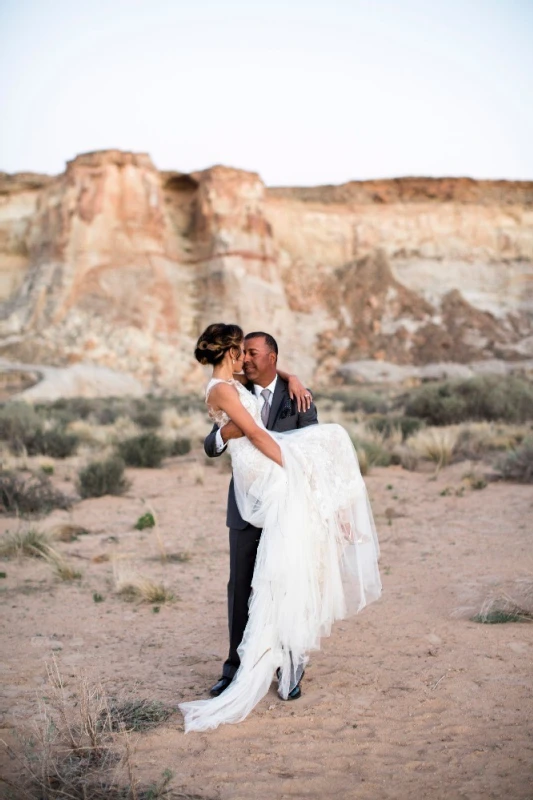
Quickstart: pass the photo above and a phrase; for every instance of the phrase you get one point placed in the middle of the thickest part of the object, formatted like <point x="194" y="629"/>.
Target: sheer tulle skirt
<point x="316" y="561"/>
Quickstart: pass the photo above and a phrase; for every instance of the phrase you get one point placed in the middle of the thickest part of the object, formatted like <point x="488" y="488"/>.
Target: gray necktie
<point x="265" y="411"/>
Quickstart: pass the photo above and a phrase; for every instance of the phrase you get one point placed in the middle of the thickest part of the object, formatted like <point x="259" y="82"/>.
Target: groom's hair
<point x="269" y="340"/>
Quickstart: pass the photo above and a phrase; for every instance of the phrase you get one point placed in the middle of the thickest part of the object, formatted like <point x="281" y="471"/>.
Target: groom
<point x="279" y="413"/>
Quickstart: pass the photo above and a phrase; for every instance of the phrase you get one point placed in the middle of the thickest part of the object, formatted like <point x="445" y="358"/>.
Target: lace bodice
<point x="249" y="401"/>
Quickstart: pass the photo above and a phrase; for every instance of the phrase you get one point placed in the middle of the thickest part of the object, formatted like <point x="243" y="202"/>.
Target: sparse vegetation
<point x="17" y="422"/>
<point x="146" y="450"/>
<point x="102" y="477"/>
<point x="29" y="495"/>
<point x="517" y="465"/>
<point x="508" y="399"/>
<point x="61" y="567"/>
<point x="80" y="747"/>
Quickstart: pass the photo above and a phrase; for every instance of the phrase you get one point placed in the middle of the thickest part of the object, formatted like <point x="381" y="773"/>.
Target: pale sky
<point x="304" y="92"/>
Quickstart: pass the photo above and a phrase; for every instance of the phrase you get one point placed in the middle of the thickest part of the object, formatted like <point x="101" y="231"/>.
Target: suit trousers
<point x="242" y="552"/>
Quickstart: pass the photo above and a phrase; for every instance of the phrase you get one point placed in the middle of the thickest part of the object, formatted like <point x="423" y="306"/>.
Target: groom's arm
<point x="212" y="443"/>
<point x="216" y="442"/>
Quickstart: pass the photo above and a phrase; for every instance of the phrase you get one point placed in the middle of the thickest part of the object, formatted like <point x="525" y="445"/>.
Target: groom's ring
<point x="308" y="395"/>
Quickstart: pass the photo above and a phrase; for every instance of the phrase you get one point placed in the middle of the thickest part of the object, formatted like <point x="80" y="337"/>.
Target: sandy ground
<point x="411" y="699"/>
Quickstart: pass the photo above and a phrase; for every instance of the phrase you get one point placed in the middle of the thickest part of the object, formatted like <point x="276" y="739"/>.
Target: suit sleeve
<point x="309" y="417"/>
<point x="210" y="445"/>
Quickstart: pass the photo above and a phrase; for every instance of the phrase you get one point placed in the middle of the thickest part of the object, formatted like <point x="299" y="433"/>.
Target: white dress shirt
<point x="219" y="443"/>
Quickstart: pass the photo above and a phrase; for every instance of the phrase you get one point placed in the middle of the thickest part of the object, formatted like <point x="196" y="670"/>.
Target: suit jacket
<point x="284" y="416"/>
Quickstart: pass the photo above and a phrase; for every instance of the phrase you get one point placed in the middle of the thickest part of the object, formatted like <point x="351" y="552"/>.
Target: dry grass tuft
<point x="514" y="605"/>
<point x="131" y="585"/>
<point x="138" y="715"/>
<point x="30" y="543"/>
<point x="61" y="567"/>
<point x="435" y="444"/>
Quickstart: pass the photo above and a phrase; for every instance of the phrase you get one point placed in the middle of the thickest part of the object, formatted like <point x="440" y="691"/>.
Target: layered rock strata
<point x="117" y="264"/>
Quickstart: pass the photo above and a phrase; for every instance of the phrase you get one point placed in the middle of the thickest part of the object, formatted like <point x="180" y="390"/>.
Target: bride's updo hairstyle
<point x="215" y="341"/>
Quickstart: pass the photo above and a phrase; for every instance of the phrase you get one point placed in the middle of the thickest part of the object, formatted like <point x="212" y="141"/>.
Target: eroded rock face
<point x="117" y="264"/>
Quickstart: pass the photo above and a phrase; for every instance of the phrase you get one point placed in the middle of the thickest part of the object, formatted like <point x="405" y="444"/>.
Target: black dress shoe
<point x="220" y="686"/>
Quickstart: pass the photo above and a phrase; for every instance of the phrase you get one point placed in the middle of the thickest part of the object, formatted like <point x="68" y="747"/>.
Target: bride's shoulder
<point x="220" y="387"/>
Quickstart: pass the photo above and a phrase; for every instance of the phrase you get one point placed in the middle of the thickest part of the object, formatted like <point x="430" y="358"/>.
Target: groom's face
<point x="259" y="363"/>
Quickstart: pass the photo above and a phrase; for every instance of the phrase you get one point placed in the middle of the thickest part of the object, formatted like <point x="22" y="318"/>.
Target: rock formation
<point x="116" y="264"/>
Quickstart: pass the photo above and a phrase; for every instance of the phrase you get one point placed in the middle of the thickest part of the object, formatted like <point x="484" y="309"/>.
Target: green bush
<point x="145" y="521"/>
<point x="180" y="447"/>
<point x="517" y="465"/>
<point x="146" y="450"/>
<point x="386" y="424"/>
<point x="102" y="477"/>
<point x="56" y="443"/>
<point x="29" y="495"/>
<point x="488" y="398"/>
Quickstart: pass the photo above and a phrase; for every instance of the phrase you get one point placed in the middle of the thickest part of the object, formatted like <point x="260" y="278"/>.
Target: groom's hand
<point x="230" y="431"/>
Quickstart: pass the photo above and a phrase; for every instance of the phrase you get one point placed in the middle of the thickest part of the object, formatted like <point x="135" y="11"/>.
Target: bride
<point x="317" y="556"/>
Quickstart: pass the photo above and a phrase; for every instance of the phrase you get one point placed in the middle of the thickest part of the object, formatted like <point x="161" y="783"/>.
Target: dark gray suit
<point x="243" y="537"/>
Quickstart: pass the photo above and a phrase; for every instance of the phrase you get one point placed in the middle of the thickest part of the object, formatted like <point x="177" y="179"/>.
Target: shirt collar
<point x="258" y="389"/>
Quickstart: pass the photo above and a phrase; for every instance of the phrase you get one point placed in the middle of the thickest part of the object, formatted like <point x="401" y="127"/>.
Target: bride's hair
<point x="216" y="340"/>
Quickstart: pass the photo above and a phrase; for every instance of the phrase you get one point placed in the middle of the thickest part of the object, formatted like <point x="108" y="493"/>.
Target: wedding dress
<point x="316" y="561"/>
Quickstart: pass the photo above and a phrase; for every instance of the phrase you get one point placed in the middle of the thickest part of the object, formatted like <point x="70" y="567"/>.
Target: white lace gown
<point x="316" y="561"/>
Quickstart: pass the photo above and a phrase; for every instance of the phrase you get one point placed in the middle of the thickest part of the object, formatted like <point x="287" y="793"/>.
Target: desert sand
<point x="410" y="699"/>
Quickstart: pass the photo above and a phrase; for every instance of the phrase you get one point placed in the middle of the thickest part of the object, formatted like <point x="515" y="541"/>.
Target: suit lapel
<point x="279" y="393"/>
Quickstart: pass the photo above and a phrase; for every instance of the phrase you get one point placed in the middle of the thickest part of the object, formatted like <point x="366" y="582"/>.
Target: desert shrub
<point x="180" y="447"/>
<point x="33" y="494"/>
<point x="148" y="418"/>
<point x="56" y="443"/>
<point x="145" y="521"/>
<point x="102" y="477"/>
<point x="387" y="424"/>
<point x="17" y="422"/>
<point x="146" y="450"/>
<point x="517" y="465"/>
<point x="488" y="398"/>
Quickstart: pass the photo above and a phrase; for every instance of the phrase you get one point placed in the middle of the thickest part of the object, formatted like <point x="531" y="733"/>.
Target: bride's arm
<point x="227" y="399"/>
<point x="297" y="391"/>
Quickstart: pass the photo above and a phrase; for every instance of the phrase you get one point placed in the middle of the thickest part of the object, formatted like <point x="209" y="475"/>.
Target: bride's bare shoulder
<point x="222" y="389"/>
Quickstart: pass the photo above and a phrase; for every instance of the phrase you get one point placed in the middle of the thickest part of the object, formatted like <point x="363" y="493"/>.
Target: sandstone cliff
<point x="120" y="265"/>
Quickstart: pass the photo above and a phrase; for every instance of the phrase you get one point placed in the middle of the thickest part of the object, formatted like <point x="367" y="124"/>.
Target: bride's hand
<point x="298" y="392"/>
